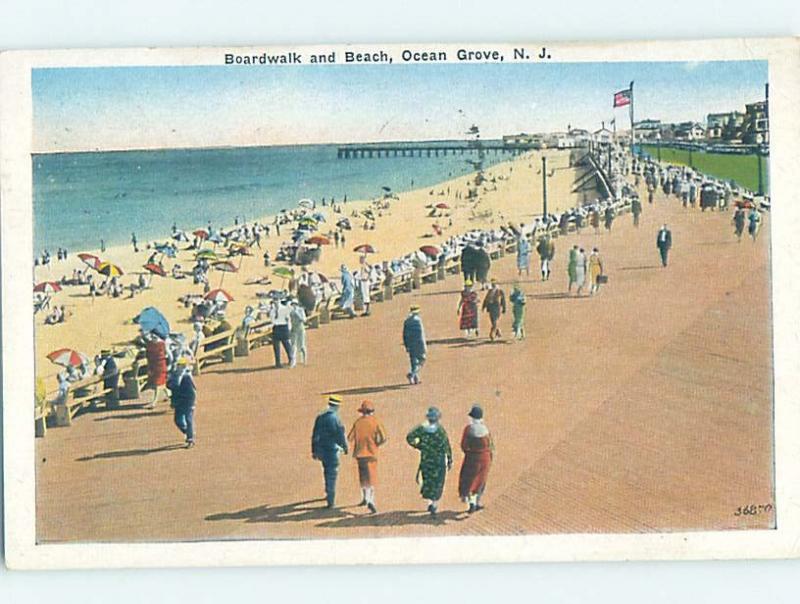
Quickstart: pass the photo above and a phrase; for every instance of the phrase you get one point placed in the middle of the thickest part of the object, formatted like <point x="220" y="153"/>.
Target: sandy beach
<point x="93" y="324"/>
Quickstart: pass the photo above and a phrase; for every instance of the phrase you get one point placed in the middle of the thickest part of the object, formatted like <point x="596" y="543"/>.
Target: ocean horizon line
<point x="271" y="146"/>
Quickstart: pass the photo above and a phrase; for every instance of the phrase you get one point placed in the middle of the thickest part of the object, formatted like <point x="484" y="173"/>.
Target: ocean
<point x="81" y="198"/>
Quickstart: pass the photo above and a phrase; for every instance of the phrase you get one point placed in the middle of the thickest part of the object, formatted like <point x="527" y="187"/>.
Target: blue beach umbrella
<point x="151" y="320"/>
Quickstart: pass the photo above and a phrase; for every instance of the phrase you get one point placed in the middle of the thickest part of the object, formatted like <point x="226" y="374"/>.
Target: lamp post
<point x="544" y="186"/>
<point x="760" y="172"/>
<point x="658" y="146"/>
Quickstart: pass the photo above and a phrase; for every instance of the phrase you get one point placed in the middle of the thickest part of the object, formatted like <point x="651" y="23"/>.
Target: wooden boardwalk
<point x="647" y="407"/>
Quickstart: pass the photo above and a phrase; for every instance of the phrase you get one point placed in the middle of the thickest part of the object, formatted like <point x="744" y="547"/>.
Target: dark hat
<point x="433" y="413"/>
<point x="476" y="412"/>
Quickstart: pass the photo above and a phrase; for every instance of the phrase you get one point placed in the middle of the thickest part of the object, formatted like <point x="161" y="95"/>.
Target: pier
<point x="428" y="150"/>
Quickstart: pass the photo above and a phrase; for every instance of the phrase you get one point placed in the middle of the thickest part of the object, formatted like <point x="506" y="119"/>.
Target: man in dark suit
<point x="327" y="441"/>
<point x="664" y="243"/>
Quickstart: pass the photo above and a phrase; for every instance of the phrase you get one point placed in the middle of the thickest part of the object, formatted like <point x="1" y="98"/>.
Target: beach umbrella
<point x="109" y="270"/>
<point x="47" y="287"/>
<point x="318" y="240"/>
<point x="442" y="206"/>
<point x="319" y="217"/>
<point x="429" y="250"/>
<point x="155" y="269"/>
<point x="283" y="272"/>
<point x="387" y="189"/>
<point x="150" y="320"/>
<point x="90" y="260"/>
<point x="308" y="222"/>
<point x="201" y="234"/>
<point x="67" y="357"/>
<point x="180" y="236"/>
<point x="226" y="267"/>
<point x="214" y="238"/>
<point x="364" y="248"/>
<point x="206" y="255"/>
<point x="218" y="295"/>
<point x="306" y="203"/>
<point x="344" y="223"/>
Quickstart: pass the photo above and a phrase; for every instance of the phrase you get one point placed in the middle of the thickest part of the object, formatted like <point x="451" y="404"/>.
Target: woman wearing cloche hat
<point x="476" y="442"/>
<point x="436" y="457"/>
<point x="367" y="434"/>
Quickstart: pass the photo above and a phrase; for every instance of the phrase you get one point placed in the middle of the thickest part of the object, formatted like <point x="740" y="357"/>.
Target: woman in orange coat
<point x="476" y="442"/>
<point x="156" y="353"/>
<point x="367" y="434"/>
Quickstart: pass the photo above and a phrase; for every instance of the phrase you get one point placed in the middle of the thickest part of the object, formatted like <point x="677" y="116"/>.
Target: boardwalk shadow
<point x="300" y="511"/>
<point x="483" y="342"/>
<point x="640" y="268"/>
<point x="393" y="519"/>
<point x="456" y="340"/>
<point x="132" y="452"/>
<point x="369" y="389"/>
<point x="554" y="296"/>
<point x="131" y="415"/>
<point x="243" y="370"/>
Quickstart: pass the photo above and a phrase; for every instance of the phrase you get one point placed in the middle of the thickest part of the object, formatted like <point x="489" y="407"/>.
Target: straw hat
<point x="335" y="399"/>
<point x="414" y="308"/>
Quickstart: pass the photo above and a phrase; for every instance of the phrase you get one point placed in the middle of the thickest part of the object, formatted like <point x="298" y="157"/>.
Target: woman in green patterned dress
<point x="436" y="457"/>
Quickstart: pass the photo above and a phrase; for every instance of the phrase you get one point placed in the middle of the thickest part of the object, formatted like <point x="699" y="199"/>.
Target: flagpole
<point x="633" y="133"/>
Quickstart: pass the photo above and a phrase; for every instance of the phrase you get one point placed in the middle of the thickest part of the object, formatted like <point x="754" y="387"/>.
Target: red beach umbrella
<point x="201" y="234"/>
<point x="155" y="269"/>
<point x="430" y="250"/>
<point x="318" y="240"/>
<point x="66" y="357"/>
<point x="47" y="287"/>
<point x="219" y="295"/>
<point x="90" y="259"/>
<point x="442" y="206"/>
<point x="364" y="248"/>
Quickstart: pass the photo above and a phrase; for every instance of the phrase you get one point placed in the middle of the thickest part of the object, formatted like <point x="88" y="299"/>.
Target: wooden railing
<point x="226" y="346"/>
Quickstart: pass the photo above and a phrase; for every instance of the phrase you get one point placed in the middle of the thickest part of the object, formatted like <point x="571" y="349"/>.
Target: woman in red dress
<point x="156" y="352"/>
<point x="468" y="310"/>
<point x="476" y="442"/>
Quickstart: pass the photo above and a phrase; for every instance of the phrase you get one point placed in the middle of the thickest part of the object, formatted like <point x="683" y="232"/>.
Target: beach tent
<point x="218" y="296"/>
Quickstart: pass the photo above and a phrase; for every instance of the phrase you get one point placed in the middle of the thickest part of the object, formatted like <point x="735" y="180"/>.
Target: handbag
<point x="602" y="279"/>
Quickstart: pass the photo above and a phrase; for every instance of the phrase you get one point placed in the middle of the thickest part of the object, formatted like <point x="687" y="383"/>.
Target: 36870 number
<point x="753" y="509"/>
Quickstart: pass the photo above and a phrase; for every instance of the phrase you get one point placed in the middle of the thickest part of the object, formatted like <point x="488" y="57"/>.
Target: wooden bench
<point x="222" y="347"/>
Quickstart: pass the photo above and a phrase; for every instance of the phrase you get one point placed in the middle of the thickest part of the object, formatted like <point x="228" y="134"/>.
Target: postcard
<point x="371" y="304"/>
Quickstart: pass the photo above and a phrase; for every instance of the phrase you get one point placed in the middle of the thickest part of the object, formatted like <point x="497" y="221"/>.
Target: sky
<point x="103" y="108"/>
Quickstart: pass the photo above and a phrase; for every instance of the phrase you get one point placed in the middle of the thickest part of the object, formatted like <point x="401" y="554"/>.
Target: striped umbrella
<point x="47" y="287"/>
<point x="68" y="357"/>
<point x="109" y="270"/>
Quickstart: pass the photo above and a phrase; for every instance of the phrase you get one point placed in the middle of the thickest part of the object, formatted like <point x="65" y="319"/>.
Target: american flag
<point x="622" y="98"/>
